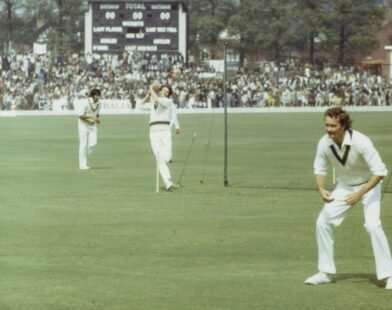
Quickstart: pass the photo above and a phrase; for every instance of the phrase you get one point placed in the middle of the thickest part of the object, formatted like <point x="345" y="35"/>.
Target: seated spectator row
<point x="30" y="81"/>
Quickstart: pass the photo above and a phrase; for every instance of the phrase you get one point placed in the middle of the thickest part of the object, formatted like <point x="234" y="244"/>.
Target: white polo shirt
<point x="355" y="162"/>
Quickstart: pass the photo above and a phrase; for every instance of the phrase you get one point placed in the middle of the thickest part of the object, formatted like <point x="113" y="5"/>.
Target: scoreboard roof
<point x="183" y="2"/>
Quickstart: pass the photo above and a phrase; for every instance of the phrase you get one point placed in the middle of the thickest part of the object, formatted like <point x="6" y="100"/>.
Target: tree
<point x="208" y="19"/>
<point x="20" y="26"/>
<point x="8" y="22"/>
<point x="69" y="26"/>
<point x="269" y="24"/>
<point x="273" y="27"/>
<point x="351" y="26"/>
<point x="38" y="15"/>
<point x="312" y="24"/>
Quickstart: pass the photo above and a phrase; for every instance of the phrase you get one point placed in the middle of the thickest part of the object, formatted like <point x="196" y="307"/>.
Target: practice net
<point x="277" y="149"/>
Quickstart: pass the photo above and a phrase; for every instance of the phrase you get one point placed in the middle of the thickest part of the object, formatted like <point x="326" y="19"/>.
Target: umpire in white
<point x="87" y="126"/>
<point x="359" y="171"/>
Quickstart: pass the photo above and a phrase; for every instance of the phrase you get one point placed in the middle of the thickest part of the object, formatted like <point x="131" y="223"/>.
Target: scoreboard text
<point x="135" y="27"/>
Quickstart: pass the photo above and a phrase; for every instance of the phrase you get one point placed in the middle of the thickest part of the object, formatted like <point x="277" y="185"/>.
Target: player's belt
<point x="160" y="123"/>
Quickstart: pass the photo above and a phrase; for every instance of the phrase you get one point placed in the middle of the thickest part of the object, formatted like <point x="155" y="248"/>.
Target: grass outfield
<point x="103" y="239"/>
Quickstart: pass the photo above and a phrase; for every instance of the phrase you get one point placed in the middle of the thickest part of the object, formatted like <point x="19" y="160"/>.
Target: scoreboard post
<point x="146" y="26"/>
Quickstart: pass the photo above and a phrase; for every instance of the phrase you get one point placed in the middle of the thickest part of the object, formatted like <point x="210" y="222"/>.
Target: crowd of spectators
<point x="30" y="81"/>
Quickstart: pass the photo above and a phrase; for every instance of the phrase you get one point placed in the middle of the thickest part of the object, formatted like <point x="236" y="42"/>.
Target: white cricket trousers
<point x="87" y="141"/>
<point x="160" y="139"/>
<point x="333" y="214"/>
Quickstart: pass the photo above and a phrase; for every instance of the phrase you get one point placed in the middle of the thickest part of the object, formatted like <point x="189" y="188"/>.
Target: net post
<point x="225" y="179"/>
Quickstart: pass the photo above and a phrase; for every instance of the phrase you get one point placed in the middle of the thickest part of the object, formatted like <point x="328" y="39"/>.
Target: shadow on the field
<point x="359" y="277"/>
<point x="101" y="168"/>
<point x="279" y="187"/>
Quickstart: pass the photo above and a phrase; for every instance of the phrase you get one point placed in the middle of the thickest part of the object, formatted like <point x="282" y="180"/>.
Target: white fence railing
<point x="123" y="107"/>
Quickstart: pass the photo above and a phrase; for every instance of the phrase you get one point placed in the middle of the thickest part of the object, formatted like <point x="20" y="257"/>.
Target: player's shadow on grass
<point x="279" y="187"/>
<point x="359" y="277"/>
<point x="102" y="168"/>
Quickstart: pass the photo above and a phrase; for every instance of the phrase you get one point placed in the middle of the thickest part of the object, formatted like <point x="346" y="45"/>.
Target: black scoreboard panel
<point x="135" y="27"/>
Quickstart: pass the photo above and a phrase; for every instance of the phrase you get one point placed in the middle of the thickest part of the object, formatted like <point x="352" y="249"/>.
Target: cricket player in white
<point x="359" y="171"/>
<point x="87" y="125"/>
<point x="160" y="131"/>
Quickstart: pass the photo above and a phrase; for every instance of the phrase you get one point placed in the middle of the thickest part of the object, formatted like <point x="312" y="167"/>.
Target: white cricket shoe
<point x="85" y="168"/>
<point x="321" y="278"/>
<point x="388" y="286"/>
<point x="173" y="187"/>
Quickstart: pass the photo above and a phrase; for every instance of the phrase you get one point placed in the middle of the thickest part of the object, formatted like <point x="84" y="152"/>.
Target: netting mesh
<point x="276" y="150"/>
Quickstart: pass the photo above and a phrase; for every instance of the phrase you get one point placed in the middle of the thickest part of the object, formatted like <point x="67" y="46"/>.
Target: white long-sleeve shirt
<point x="89" y="108"/>
<point x="355" y="161"/>
<point x="160" y="113"/>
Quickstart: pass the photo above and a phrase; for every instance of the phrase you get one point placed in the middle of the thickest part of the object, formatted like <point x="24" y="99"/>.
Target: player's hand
<point x="177" y="131"/>
<point x="98" y="121"/>
<point x="353" y="198"/>
<point x="326" y="195"/>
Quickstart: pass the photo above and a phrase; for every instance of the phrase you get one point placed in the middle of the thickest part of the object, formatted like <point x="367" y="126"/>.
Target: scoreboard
<point x="154" y="27"/>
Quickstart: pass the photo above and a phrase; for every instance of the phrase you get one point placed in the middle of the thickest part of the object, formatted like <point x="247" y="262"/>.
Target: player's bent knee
<point x="322" y="222"/>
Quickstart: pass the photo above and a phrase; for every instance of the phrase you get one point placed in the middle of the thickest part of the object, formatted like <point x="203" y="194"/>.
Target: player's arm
<point x="177" y="127"/>
<point x="320" y="166"/>
<point x="376" y="166"/>
<point x="153" y="94"/>
<point x="356" y="197"/>
<point x="324" y="193"/>
<point x="161" y="101"/>
<point x="90" y="119"/>
<point x="146" y="98"/>
<point x="175" y="121"/>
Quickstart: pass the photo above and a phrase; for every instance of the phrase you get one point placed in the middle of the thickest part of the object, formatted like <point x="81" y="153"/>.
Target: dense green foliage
<point x="340" y="27"/>
<point x="24" y="22"/>
<point x="327" y="28"/>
